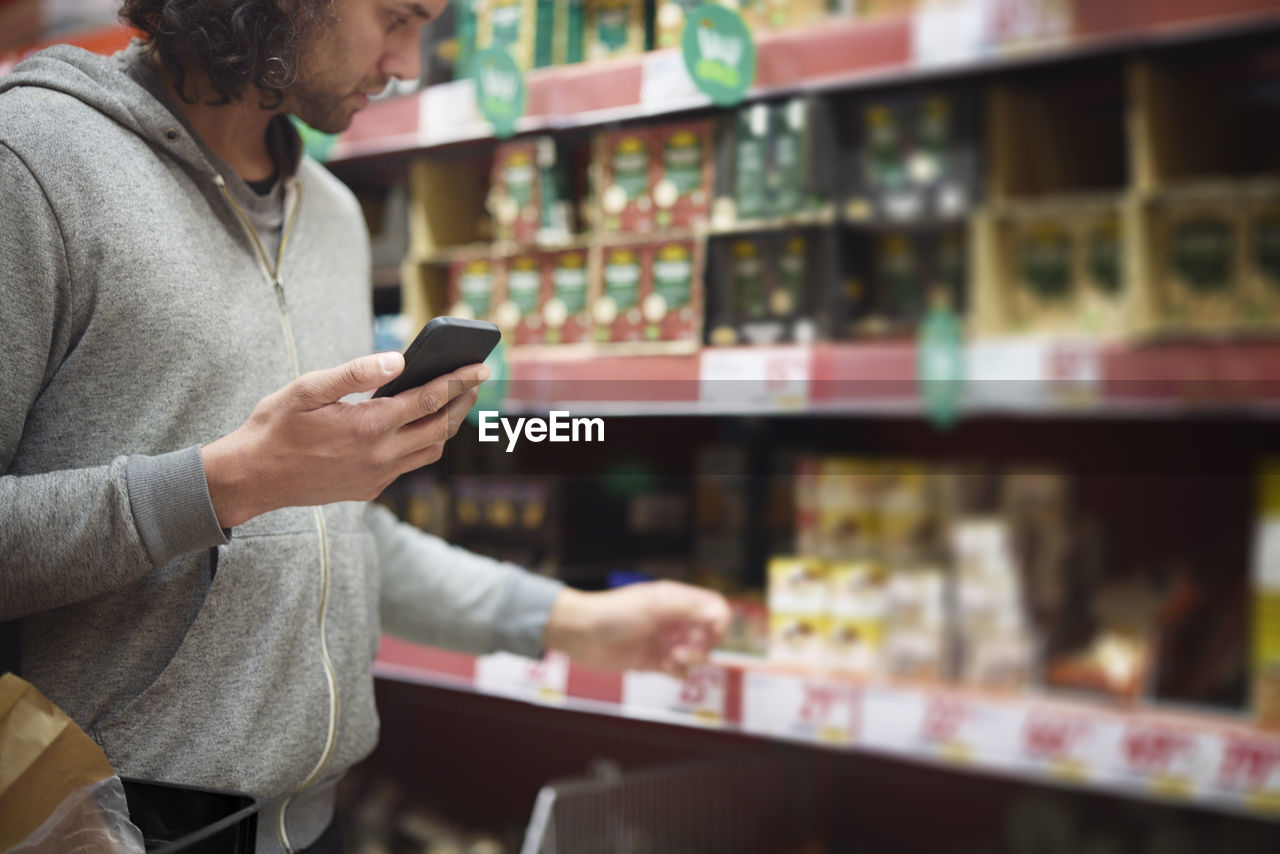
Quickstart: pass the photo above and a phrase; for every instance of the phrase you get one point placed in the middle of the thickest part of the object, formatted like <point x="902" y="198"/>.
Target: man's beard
<point x="324" y="111"/>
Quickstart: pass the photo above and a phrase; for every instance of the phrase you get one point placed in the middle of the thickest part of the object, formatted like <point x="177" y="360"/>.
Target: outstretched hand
<point x="661" y="625"/>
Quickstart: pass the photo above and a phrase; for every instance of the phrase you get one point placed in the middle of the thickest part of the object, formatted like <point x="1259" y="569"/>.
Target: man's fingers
<point x="320" y="388"/>
<point x="429" y="399"/>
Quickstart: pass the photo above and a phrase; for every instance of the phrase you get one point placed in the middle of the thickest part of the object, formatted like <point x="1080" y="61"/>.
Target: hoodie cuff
<point x="171" y="507"/>
<point x="523" y="615"/>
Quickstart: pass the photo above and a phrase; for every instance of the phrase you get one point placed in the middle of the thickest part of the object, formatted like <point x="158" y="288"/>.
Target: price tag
<point x="794" y="707"/>
<point x="665" y="81"/>
<point x="942" y="726"/>
<point x="1067" y="746"/>
<point x="1250" y="769"/>
<point x="755" y="379"/>
<point x="448" y="110"/>
<point x="546" y="681"/>
<point x="1172" y="762"/>
<point x="700" y="698"/>
<point x="1031" y="374"/>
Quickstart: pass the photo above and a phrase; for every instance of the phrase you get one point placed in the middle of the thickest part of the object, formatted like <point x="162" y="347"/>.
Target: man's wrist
<point x="229" y="491"/>
<point x="570" y="621"/>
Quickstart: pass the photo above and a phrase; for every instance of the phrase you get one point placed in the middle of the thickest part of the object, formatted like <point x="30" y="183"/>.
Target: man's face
<point x="354" y="55"/>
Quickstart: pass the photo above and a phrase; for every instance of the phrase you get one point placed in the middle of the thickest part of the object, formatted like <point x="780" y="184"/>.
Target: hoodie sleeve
<point x="66" y="536"/>
<point x="442" y="595"/>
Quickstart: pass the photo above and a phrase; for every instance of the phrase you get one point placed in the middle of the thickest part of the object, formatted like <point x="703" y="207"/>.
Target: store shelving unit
<point x="1209" y="759"/>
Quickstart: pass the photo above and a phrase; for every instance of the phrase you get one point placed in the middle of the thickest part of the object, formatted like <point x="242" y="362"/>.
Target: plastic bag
<point x="93" y="819"/>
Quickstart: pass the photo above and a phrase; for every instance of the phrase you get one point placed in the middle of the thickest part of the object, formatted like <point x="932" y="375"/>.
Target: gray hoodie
<point x="137" y="322"/>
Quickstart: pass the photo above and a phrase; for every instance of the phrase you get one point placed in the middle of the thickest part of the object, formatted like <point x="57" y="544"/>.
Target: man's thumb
<point x="364" y="374"/>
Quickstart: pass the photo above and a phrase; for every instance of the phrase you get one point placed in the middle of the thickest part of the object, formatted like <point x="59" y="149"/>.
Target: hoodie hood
<point x="128" y="90"/>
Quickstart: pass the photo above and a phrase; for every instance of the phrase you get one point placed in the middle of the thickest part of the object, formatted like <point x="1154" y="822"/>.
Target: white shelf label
<point x="1250" y="770"/>
<point x="701" y="698"/>
<point x="1032" y="373"/>
<point x="546" y="681"/>
<point x="1172" y="762"/>
<point x="755" y="379"/>
<point x="939" y="725"/>
<point x="795" y="707"/>
<point x="1067" y="746"/>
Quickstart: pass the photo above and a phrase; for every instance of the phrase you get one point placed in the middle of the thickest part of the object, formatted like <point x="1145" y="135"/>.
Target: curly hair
<point x="235" y="44"/>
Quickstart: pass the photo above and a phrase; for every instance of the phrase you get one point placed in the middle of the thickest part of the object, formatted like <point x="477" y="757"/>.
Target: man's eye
<point x="398" y="21"/>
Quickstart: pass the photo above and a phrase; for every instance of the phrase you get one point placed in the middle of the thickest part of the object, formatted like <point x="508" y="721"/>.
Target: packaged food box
<point x="560" y="30"/>
<point x="751" y="162"/>
<point x="684" y="169"/>
<point x="798" y="586"/>
<point x="508" y="24"/>
<point x="798" y="639"/>
<point x="616" y="310"/>
<point x="624" y="175"/>
<point x="1198" y="247"/>
<point x="519" y="316"/>
<point x="515" y="198"/>
<point x="672" y="305"/>
<point x="565" y="318"/>
<point x="615" y="28"/>
<point x="474" y="287"/>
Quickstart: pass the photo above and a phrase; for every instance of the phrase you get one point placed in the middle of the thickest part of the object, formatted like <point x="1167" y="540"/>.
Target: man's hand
<point x="662" y="625"/>
<point x="303" y="446"/>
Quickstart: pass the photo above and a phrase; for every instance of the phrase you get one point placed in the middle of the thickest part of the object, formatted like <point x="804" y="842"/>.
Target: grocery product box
<point x="1198" y="251"/>
<point x="515" y="198"/>
<point x="1262" y="263"/>
<point x="859" y="602"/>
<point x="509" y="24"/>
<point x="475" y="287"/>
<point x="623" y="177"/>
<point x="915" y="644"/>
<point x="683" y="173"/>
<point x="1062" y="267"/>
<point x="673" y="304"/>
<point x="565" y="315"/>
<point x="561" y="26"/>
<point x="520" y="315"/>
<point x="915" y="158"/>
<point x="615" y="28"/>
<point x="615" y="307"/>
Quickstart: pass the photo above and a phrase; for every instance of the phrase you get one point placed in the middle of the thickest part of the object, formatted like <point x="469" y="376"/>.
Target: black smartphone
<point x="444" y="345"/>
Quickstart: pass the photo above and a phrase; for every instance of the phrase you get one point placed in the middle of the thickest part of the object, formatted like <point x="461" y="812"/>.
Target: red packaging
<point x="672" y="302"/>
<point x="683" y="172"/>
<point x="514" y="195"/>
<point x="624" y="170"/>
<point x="520" y="318"/>
<point x="565" y="315"/>
<point x="474" y="287"/>
<point x="616" y="307"/>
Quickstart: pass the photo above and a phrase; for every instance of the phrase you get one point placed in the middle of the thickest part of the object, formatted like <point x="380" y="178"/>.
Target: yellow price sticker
<point x="1172" y="786"/>
<point x="1070" y="770"/>
<point x="1264" y="800"/>
<point x="957" y="752"/>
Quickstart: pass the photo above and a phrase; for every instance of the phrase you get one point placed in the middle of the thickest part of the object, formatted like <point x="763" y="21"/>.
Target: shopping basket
<point x="739" y="805"/>
<point x="185" y="819"/>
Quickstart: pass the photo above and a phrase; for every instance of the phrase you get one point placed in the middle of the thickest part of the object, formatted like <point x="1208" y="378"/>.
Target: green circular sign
<point x="719" y="53"/>
<point x="500" y="91"/>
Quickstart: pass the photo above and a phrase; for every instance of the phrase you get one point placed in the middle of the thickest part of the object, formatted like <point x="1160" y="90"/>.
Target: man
<point x="188" y="551"/>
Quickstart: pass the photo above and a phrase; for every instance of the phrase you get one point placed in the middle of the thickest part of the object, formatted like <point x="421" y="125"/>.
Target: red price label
<point x="944" y="719"/>
<point x="1250" y="764"/>
<point x="1150" y="751"/>
<point x="1050" y="737"/>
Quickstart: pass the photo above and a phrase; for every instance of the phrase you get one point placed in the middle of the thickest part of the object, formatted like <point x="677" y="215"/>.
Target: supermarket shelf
<point x="1212" y="760"/>
<point x="1017" y="375"/>
<point x="838" y="54"/>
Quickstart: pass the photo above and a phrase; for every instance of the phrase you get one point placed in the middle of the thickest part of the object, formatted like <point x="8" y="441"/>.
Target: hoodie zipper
<point x="272" y="274"/>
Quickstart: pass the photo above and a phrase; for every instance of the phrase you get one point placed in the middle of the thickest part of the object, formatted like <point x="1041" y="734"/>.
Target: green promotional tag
<point x="317" y="144"/>
<point x="493" y="390"/>
<point x="500" y="91"/>
<point x="940" y="363"/>
<point x="719" y="53"/>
